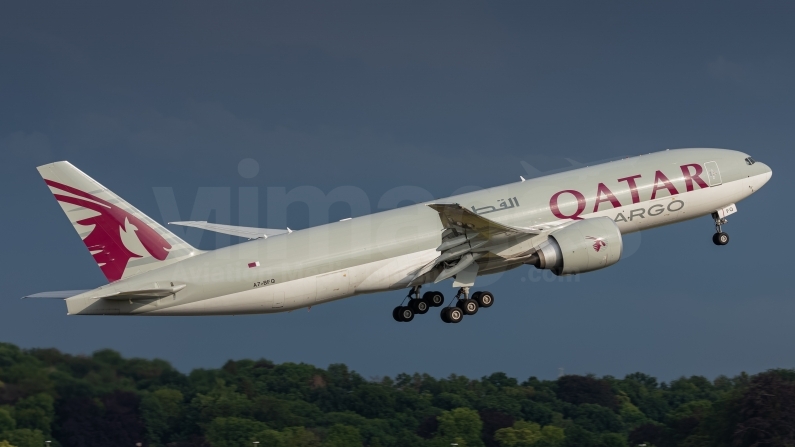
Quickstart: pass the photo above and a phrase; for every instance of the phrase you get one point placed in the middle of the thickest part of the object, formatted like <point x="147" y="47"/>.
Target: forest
<point x="107" y="400"/>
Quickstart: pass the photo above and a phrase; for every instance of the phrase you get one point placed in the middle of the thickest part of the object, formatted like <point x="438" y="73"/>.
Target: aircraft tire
<point x="419" y="306"/>
<point x="396" y="314"/>
<point x="469" y="307"/>
<point x="720" y="238"/>
<point x="484" y="299"/>
<point x="405" y="314"/>
<point x="434" y="299"/>
<point x="455" y="315"/>
<point x="445" y="314"/>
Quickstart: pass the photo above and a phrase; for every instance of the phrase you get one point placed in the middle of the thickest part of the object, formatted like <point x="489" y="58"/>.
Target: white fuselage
<point x="382" y="251"/>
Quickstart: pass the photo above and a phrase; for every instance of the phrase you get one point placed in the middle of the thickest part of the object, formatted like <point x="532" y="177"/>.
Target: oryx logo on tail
<point x="117" y="236"/>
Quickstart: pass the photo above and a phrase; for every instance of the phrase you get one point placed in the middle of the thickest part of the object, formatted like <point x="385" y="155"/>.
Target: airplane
<point x="569" y="223"/>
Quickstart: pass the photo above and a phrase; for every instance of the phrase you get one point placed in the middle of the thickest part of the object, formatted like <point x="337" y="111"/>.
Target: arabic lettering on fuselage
<point x="503" y="205"/>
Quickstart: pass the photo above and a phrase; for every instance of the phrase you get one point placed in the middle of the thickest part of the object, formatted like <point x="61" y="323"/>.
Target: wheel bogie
<point x="451" y="314"/>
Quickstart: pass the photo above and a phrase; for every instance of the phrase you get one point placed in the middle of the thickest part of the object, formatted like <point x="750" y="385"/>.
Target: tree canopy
<point x="105" y="399"/>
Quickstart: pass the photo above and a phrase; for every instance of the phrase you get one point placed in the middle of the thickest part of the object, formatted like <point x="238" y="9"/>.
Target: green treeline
<point x="106" y="400"/>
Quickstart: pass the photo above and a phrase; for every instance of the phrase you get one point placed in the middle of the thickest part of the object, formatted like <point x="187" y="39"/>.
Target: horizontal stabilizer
<point x="129" y="295"/>
<point x="58" y="294"/>
<point x="244" y="232"/>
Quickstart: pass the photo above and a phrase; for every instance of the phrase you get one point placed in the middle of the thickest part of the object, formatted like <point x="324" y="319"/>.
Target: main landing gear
<point x="417" y="305"/>
<point x="720" y="238"/>
<point x="466" y="305"/>
<point x="453" y="313"/>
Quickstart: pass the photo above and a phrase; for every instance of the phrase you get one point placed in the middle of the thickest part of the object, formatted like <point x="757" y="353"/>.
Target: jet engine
<point x="583" y="246"/>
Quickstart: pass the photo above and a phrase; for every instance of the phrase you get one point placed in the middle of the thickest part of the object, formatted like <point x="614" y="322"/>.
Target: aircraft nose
<point x="764" y="176"/>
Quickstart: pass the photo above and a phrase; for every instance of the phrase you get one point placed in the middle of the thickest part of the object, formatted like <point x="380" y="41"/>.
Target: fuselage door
<point x="713" y="173"/>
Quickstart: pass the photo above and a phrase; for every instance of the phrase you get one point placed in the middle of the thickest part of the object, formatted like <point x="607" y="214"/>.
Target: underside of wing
<point x="244" y="232"/>
<point x="456" y="216"/>
<point x="471" y="242"/>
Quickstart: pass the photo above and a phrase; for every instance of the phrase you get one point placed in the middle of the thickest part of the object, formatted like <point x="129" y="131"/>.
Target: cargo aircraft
<point x="569" y="223"/>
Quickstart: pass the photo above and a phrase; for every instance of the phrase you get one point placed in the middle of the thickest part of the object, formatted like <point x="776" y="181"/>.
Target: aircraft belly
<point x="268" y="299"/>
<point x="334" y="285"/>
<point x="393" y="273"/>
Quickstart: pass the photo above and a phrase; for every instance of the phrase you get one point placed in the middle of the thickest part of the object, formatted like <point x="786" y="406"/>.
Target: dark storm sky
<point x="435" y="95"/>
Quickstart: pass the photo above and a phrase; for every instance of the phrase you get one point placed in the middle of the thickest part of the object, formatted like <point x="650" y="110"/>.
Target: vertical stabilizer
<point x="122" y="240"/>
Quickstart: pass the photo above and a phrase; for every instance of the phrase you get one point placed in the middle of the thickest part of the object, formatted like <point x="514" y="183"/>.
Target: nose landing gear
<point x="720" y="238"/>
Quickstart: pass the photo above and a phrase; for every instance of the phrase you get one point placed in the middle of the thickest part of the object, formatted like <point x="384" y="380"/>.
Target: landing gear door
<point x="713" y="173"/>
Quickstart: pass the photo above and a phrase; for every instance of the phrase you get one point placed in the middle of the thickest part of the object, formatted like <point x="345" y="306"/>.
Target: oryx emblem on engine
<point x="598" y="243"/>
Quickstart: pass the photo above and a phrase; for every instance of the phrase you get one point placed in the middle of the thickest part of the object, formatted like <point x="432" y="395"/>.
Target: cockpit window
<point x="750" y="161"/>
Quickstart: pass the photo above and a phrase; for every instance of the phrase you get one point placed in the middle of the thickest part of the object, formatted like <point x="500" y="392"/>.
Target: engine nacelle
<point x="583" y="246"/>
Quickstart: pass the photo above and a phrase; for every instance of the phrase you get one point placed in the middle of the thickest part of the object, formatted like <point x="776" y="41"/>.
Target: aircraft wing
<point x="469" y="238"/>
<point x="244" y="232"/>
<point x="456" y="216"/>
